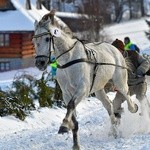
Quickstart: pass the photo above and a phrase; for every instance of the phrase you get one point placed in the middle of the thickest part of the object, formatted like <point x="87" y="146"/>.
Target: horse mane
<point x="56" y="22"/>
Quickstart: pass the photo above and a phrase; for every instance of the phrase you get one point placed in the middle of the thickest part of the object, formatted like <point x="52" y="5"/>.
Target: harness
<point x="70" y="63"/>
<point x="86" y="60"/>
<point x="81" y="60"/>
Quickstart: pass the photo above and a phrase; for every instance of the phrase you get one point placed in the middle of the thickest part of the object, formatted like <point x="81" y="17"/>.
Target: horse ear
<point x="45" y="17"/>
<point x="52" y="13"/>
<point x="49" y="15"/>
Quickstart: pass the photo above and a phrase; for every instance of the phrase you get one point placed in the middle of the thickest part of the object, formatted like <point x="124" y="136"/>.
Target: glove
<point x="139" y="74"/>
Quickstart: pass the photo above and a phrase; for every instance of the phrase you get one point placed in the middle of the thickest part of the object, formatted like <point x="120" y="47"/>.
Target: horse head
<point x="46" y="30"/>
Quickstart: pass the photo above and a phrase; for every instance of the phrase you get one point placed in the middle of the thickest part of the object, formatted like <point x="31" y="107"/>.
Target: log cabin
<point x="16" y="31"/>
<point x="17" y="28"/>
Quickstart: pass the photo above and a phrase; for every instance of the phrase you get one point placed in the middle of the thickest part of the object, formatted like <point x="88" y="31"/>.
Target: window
<point x="4" y="66"/>
<point x="4" y="40"/>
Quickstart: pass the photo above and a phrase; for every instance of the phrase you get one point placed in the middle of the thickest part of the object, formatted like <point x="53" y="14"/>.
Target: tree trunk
<point x="130" y="9"/>
<point x="142" y="8"/>
<point x="47" y="4"/>
<point x="38" y="4"/>
<point x="28" y="4"/>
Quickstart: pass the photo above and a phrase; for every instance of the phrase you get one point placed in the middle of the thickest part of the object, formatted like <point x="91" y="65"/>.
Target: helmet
<point x="126" y="40"/>
<point x="118" y="44"/>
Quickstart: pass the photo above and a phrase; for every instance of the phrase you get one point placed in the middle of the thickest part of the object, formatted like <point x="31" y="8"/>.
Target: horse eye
<point x="47" y="39"/>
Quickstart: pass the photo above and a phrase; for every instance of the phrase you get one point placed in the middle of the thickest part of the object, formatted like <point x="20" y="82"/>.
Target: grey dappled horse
<point x="82" y="69"/>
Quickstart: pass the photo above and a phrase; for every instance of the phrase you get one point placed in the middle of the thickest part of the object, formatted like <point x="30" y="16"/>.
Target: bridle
<point x="52" y="45"/>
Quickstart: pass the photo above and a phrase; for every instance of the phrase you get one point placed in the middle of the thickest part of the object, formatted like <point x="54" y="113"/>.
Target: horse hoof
<point x="76" y="147"/>
<point x="136" y="108"/>
<point x="63" y="130"/>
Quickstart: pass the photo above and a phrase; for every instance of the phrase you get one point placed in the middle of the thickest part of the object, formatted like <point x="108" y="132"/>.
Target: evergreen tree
<point x="25" y="89"/>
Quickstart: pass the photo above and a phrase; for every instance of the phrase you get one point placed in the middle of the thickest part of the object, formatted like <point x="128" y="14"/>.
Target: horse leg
<point x="101" y="95"/>
<point x="67" y="121"/>
<point x="132" y="107"/>
<point x="70" y="122"/>
<point x="75" y="134"/>
<point x="117" y="101"/>
<point x="121" y="85"/>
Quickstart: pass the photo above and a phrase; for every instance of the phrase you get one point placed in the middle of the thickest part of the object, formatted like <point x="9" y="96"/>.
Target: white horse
<point x="82" y="69"/>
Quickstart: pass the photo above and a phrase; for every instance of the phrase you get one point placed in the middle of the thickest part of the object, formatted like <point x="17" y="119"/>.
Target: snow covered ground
<point x="39" y="130"/>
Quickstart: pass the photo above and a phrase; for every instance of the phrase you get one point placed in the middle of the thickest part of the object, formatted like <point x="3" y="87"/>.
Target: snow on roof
<point x="20" y="19"/>
<point x="23" y="19"/>
<point x="20" y="5"/>
<point x="34" y="13"/>
<point x="15" y="21"/>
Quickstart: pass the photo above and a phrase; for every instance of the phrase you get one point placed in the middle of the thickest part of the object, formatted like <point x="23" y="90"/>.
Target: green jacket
<point x="130" y="46"/>
<point x="127" y="46"/>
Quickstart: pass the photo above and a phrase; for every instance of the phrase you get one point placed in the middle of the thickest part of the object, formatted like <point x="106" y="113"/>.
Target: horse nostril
<point x="42" y="63"/>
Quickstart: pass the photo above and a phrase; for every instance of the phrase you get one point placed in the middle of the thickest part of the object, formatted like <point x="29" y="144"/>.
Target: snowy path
<point x="39" y="131"/>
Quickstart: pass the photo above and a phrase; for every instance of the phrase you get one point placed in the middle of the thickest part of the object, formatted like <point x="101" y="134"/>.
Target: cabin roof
<point x="14" y="20"/>
<point x="22" y="19"/>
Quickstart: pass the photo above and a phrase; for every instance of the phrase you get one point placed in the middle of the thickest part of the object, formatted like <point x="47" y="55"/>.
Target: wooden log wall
<point x="21" y="46"/>
<point x="3" y="3"/>
<point x="14" y="49"/>
<point x="27" y="46"/>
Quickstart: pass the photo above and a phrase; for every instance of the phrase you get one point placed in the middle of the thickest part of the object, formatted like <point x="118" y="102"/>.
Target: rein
<point x="42" y="34"/>
<point x="70" y="63"/>
<point x="87" y="61"/>
<point x="96" y="64"/>
<point x="66" y="51"/>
